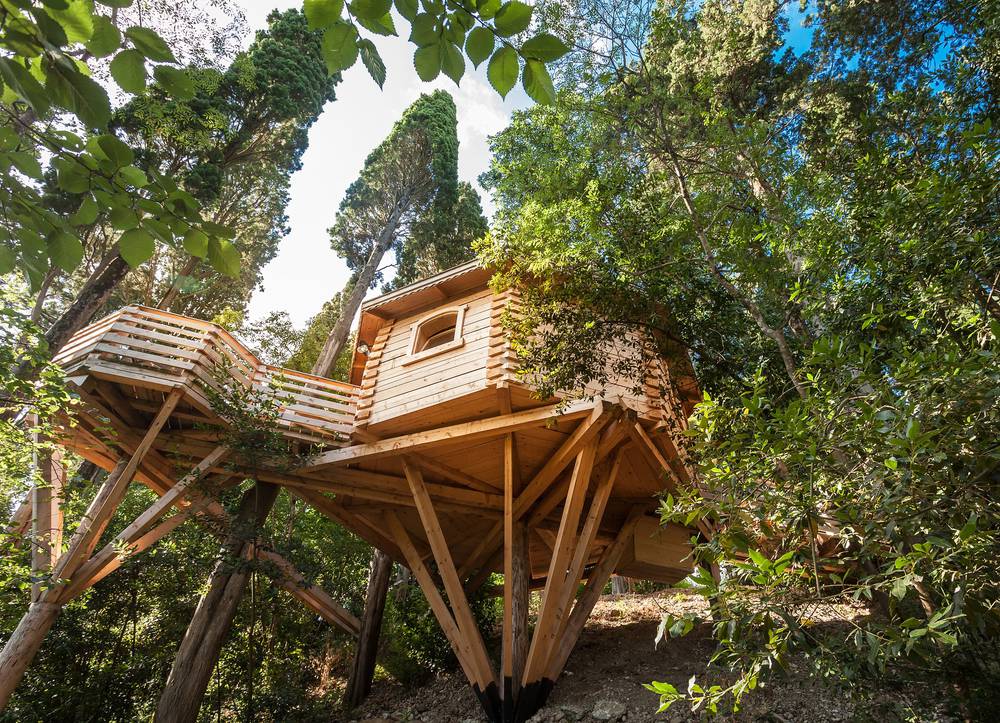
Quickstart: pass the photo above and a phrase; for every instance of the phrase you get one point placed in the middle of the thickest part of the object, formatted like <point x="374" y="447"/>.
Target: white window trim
<point x="456" y="343"/>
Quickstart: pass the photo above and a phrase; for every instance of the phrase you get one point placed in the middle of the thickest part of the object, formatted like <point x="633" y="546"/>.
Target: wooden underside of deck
<point x="550" y="495"/>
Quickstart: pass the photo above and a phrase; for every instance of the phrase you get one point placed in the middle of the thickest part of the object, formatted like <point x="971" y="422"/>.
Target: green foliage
<point x="312" y="340"/>
<point x="815" y="232"/>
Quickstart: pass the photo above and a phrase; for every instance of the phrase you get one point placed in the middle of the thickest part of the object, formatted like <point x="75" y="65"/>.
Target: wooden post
<point x="591" y="594"/>
<point x="46" y="517"/>
<point x="516" y="581"/>
<point x="199" y="650"/>
<point x="360" y="682"/>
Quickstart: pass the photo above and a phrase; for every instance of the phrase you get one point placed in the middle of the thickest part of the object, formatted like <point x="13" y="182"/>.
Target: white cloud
<point x="306" y="271"/>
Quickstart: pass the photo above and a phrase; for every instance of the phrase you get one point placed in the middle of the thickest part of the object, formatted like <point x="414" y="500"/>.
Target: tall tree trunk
<point x="94" y="294"/>
<point x="338" y="335"/>
<point x="360" y="682"/>
<point x="199" y="651"/>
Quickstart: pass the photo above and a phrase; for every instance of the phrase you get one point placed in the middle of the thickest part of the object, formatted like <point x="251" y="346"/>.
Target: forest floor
<point x="616" y="655"/>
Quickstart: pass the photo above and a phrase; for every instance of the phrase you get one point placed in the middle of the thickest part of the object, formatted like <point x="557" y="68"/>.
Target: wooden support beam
<point x="312" y="596"/>
<point x="109" y="559"/>
<point x="488" y="691"/>
<point x="466" y="432"/>
<point x="582" y="435"/>
<point x="46" y="516"/>
<point x="516" y="581"/>
<point x="359" y="683"/>
<point x="652" y="453"/>
<point x="596" y="581"/>
<point x="110" y="495"/>
<point x="553" y="608"/>
<point x="437" y="604"/>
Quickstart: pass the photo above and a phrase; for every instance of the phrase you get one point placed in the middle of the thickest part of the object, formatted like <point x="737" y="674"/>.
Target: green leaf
<point x="7" y="260"/>
<point x="427" y="61"/>
<point x="452" y="62"/>
<point x="133" y="176"/>
<point x="321" y="14"/>
<point x="150" y="44"/>
<point x="545" y="47"/>
<point x="106" y="38"/>
<point x="372" y="60"/>
<point x="379" y="26"/>
<point x="502" y="70"/>
<point x="116" y="3"/>
<point x="123" y="218"/>
<point x="86" y="214"/>
<point x="224" y="257"/>
<point x="27" y="164"/>
<point x="117" y="152"/>
<point x="759" y="560"/>
<point x="77" y="20"/>
<point x="128" y="68"/>
<point x="537" y="82"/>
<point x="136" y="246"/>
<point x="513" y="18"/>
<point x="370" y="9"/>
<point x="196" y="243"/>
<point x="488" y="9"/>
<point x="479" y="45"/>
<point x="340" y="50"/>
<point x="217" y="229"/>
<point x="407" y="8"/>
<point x="65" y="250"/>
<point x="51" y="30"/>
<point x="71" y="176"/>
<point x="80" y="94"/>
<point x="891" y="463"/>
<point x="17" y="77"/>
<point x="424" y="30"/>
<point x="176" y="81"/>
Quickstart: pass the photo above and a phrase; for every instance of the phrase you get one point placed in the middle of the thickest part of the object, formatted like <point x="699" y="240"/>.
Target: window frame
<point x="456" y="343"/>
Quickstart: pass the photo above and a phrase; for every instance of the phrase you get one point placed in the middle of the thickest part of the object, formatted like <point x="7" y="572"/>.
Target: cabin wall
<point x="399" y="388"/>
<point x="504" y="366"/>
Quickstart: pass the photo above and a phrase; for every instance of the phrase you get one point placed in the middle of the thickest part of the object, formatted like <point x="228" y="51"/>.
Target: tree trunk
<point x="338" y="335"/>
<point x="94" y="294"/>
<point x="199" y="650"/>
<point x="360" y="682"/>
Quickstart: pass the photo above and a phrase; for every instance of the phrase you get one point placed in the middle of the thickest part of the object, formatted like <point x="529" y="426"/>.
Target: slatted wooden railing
<point x="155" y="349"/>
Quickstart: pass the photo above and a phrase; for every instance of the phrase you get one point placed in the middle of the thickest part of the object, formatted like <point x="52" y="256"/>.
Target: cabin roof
<point x="410" y="299"/>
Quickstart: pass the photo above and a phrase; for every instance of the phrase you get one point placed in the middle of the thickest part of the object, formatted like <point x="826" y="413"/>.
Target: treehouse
<point x="436" y="452"/>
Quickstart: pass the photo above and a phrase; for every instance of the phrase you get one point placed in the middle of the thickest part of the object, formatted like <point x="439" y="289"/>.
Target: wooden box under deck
<point x="435" y="452"/>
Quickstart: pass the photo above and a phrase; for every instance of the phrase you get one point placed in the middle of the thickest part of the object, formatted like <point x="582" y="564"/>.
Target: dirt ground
<point x="616" y="655"/>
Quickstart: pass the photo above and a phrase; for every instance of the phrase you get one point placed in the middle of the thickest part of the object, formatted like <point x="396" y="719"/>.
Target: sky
<point x="306" y="272"/>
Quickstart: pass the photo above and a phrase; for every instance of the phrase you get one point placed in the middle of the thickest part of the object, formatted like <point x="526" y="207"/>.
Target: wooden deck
<point x="548" y="494"/>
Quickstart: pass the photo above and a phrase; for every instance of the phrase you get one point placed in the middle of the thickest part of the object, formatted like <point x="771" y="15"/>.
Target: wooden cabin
<point x="436" y="452"/>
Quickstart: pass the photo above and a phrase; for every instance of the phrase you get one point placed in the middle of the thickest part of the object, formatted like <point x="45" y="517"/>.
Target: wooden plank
<point x="99" y="563"/>
<point x="467" y="432"/>
<point x="516" y="581"/>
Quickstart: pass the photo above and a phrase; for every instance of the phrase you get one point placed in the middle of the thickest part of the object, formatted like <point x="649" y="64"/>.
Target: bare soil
<point x="616" y="655"/>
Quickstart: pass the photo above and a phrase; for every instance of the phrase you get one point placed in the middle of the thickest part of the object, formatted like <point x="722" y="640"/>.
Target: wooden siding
<point x="406" y="387"/>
